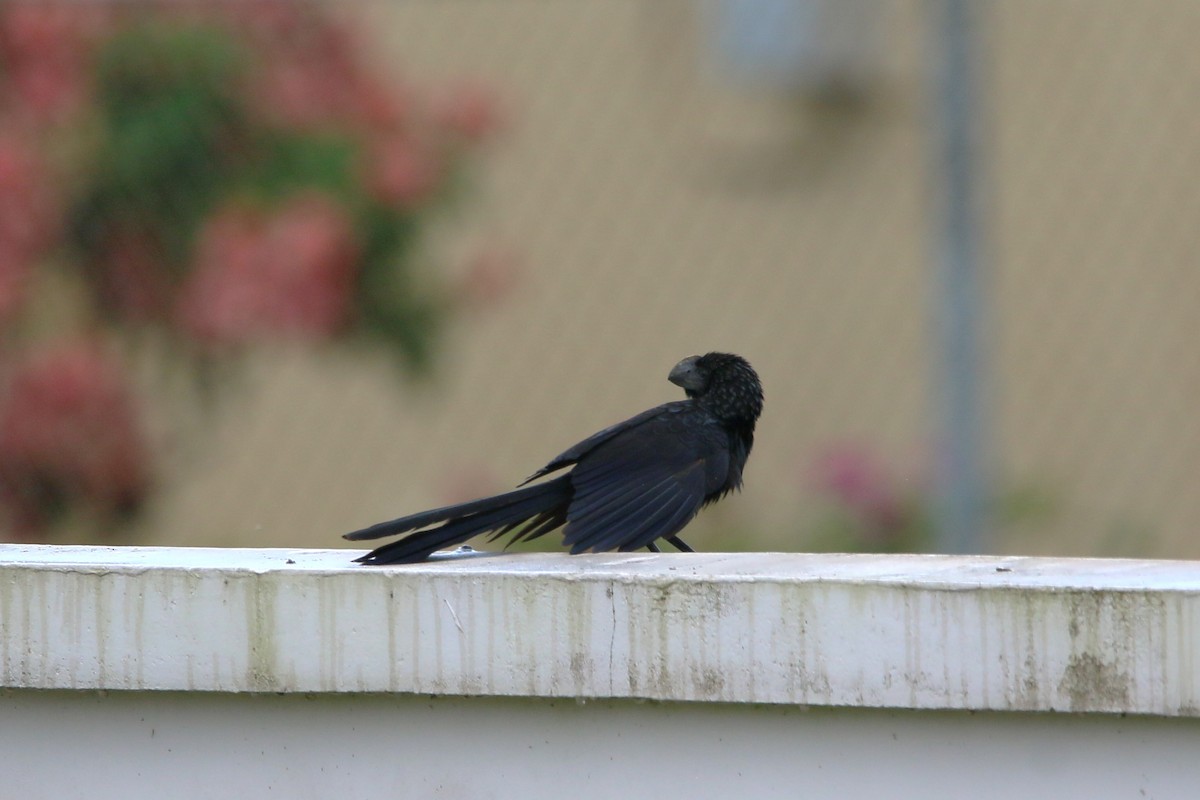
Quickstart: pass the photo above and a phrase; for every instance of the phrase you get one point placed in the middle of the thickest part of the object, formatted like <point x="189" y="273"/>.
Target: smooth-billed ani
<point x="632" y="484"/>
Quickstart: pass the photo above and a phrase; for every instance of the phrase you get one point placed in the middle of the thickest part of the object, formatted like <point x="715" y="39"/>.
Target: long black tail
<point x="540" y="509"/>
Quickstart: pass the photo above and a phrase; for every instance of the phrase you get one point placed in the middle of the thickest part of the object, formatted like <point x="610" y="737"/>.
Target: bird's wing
<point x="645" y="482"/>
<point x="572" y="455"/>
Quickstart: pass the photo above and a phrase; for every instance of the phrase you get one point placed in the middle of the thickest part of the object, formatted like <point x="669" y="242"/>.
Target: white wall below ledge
<point x="882" y="632"/>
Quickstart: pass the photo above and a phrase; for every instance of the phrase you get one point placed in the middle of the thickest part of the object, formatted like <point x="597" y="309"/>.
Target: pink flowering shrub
<point x="289" y="271"/>
<point x="219" y="174"/>
<point x="69" y="433"/>
<point x="28" y="219"/>
<point x="868" y="504"/>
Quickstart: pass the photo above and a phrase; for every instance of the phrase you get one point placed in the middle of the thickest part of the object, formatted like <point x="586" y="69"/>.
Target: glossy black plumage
<point x="632" y="484"/>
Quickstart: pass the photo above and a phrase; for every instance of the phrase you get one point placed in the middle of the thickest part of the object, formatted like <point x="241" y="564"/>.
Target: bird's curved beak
<point x="686" y="375"/>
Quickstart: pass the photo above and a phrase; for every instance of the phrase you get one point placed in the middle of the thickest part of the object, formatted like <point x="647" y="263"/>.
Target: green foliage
<point x="288" y="161"/>
<point x="172" y="134"/>
<point x="389" y="307"/>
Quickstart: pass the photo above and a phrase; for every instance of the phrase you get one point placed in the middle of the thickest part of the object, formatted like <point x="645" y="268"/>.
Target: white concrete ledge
<point x="891" y="632"/>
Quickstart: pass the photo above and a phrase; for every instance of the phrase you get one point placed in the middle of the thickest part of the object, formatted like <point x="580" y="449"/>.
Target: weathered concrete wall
<point x="898" y="632"/>
<point x="202" y="673"/>
<point x="293" y="673"/>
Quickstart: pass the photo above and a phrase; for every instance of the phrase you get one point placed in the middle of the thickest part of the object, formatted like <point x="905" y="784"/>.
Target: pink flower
<point x="15" y="272"/>
<point x="379" y="107"/>
<point x="856" y="479"/>
<point x="28" y="219"/>
<point x="133" y="278"/>
<point x="264" y="20"/>
<point x="294" y="90"/>
<point x="403" y="172"/>
<point x="491" y="275"/>
<point x="45" y="51"/>
<point x="69" y="432"/>
<point x="310" y="74"/>
<point x="28" y="213"/>
<point x="286" y="274"/>
<point x="467" y="110"/>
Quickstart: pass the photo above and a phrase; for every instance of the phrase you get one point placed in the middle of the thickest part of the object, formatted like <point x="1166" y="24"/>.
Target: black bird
<point x="632" y="484"/>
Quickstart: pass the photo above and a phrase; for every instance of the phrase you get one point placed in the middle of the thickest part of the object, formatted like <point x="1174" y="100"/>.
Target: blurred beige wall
<point x="660" y="211"/>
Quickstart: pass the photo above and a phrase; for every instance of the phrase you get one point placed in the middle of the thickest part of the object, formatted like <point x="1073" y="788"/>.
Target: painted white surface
<point x="164" y="744"/>
<point x="889" y="632"/>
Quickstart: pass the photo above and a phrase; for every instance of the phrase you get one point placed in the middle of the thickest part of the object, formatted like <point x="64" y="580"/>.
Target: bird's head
<point x="724" y="383"/>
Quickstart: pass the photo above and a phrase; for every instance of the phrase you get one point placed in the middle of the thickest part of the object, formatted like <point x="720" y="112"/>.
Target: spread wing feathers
<point x="426" y="518"/>
<point x="538" y="526"/>
<point x="637" y="484"/>
<point x="642" y="483"/>
<point x="539" y="505"/>
<point x="574" y="454"/>
<point x="670" y="518"/>
<point x="647" y="508"/>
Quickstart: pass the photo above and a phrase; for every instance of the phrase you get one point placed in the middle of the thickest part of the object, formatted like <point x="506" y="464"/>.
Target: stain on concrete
<point x="1094" y="684"/>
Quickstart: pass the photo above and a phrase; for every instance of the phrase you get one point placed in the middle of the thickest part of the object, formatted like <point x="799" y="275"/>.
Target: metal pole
<point x="960" y="503"/>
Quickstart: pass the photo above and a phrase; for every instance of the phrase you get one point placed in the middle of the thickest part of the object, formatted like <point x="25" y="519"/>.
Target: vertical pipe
<point x="960" y="501"/>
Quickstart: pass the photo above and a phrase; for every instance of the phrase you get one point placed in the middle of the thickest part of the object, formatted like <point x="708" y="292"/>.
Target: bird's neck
<point x="745" y="433"/>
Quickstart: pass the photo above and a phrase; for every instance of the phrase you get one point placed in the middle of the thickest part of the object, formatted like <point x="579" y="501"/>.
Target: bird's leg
<point x="653" y="548"/>
<point x="680" y="544"/>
